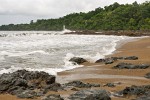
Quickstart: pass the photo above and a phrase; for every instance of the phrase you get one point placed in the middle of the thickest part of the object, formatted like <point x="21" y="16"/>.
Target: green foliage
<point x="113" y="17"/>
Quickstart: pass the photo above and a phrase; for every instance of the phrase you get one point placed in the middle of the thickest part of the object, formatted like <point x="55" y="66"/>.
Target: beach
<point x="102" y="74"/>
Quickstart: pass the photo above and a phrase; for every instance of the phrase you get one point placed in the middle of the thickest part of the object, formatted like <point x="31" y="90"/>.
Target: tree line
<point x="113" y="17"/>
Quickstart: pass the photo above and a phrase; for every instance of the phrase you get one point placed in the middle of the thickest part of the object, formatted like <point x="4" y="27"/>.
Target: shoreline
<point x="101" y="74"/>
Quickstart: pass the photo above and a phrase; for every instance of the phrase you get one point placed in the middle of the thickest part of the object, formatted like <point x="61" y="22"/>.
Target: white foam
<point x="45" y="52"/>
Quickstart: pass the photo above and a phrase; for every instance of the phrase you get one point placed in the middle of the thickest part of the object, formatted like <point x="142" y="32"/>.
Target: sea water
<point x="50" y="51"/>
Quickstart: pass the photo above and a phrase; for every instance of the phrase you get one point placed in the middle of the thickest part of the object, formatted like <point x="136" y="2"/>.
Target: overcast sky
<point x="22" y="11"/>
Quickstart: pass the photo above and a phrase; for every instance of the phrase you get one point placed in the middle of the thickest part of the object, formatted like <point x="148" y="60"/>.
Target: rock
<point x="16" y="90"/>
<point x="106" y="61"/>
<point x="80" y="84"/>
<point x="90" y="95"/>
<point x="131" y="58"/>
<point x="136" y="90"/>
<point x="147" y="75"/>
<point x="144" y="97"/>
<point x="53" y="87"/>
<point x="27" y="94"/>
<point x="131" y="66"/>
<point x="53" y="97"/>
<point x="109" y="61"/>
<point x="100" y="61"/>
<point x="78" y="60"/>
<point x="22" y="82"/>
<point x="110" y="85"/>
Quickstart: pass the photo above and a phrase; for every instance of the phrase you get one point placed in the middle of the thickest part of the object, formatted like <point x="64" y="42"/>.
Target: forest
<point x="113" y="17"/>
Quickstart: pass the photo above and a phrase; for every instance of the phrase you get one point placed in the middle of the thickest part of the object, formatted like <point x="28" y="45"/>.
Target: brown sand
<point x="102" y="74"/>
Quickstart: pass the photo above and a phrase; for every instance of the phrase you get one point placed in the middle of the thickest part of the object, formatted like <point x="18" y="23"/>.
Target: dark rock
<point x="144" y="97"/>
<point x="78" y="60"/>
<point x="90" y="95"/>
<point x="106" y="61"/>
<point x="136" y="90"/>
<point x="147" y="75"/>
<point x="53" y="87"/>
<point x="117" y="58"/>
<point x="131" y="58"/>
<point x="53" y="97"/>
<point x="27" y="94"/>
<point x="16" y="90"/>
<point x="80" y="84"/>
<point x="74" y="89"/>
<point x="131" y="66"/>
<point x="110" y="85"/>
<point x="100" y="61"/>
<point x="109" y="61"/>
<point x="22" y="82"/>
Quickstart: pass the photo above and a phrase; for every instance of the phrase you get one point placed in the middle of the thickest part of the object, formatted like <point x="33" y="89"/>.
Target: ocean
<point x="50" y="51"/>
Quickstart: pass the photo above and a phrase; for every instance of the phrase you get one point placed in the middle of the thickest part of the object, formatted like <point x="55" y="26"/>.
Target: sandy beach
<point x="102" y="74"/>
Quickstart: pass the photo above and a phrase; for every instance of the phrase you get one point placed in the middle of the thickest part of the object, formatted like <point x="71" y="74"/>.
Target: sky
<point x="23" y="11"/>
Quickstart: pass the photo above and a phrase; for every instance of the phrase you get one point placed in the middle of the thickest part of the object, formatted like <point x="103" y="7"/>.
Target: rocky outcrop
<point x="147" y="75"/>
<point x="90" y="95"/>
<point x="78" y="60"/>
<point x="80" y="84"/>
<point x="23" y="83"/>
<point x="131" y="66"/>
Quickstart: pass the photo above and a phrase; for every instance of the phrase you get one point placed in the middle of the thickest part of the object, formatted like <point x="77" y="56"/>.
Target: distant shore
<point x="118" y="33"/>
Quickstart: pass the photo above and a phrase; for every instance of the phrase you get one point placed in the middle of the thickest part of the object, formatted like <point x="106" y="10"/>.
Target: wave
<point x="29" y="33"/>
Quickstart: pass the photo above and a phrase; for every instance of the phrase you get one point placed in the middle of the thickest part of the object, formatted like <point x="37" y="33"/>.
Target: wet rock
<point x="78" y="60"/>
<point x="144" y="97"/>
<point x="53" y="87"/>
<point x="110" y="85"/>
<point x="135" y="90"/>
<point x="53" y="97"/>
<point x="27" y="94"/>
<point x="106" y="61"/>
<point x="100" y="61"/>
<point x="131" y="58"/>
<point x="109" y="61"/>
<point x="80" y="84"/>
<point x="90" y="95"/>
<point x="22" y="82"/>
<point x="147" y="75"/>
<point x="16" y="90"/>
<point x="131" y="66"/>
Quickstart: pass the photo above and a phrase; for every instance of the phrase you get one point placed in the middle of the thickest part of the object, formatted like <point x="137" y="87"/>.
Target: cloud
<point x="50" y="8"/>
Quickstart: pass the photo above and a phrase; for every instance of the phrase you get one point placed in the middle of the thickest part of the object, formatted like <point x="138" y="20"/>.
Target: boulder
<point x="147" y="75"/>
<point x="80" y="84"/>
<point x="78" y="60"/>
<point x="53" y="97"/>
<point x="90" y="95"/>
<point x="131" y="66"/>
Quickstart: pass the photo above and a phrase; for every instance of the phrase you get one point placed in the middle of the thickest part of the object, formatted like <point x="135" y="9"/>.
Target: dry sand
<point x="102" y="74"/>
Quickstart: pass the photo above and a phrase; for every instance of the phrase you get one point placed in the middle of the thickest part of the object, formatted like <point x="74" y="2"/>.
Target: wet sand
<point x="102" y="74"/>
